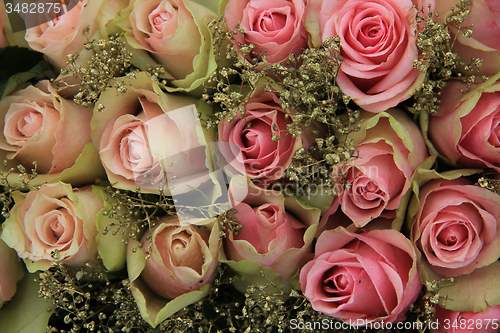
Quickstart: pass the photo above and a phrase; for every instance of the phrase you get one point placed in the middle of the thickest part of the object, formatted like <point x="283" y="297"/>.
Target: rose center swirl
<point x="269" y="21"/>
<point x="338" y="281"/>
<point x="30" y="124"/>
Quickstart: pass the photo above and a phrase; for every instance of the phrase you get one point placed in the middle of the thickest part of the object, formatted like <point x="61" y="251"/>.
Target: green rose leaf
<point x="470" y="292"/>
<point x="26" y="312"/>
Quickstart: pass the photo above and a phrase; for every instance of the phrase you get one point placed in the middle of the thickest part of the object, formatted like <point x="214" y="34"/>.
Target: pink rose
<point x="175" y="33"/>
<point x="11" y="271"/>
<point x="251" y="141"/>
<point x="274" y="27"/>
<point x="183" y="263"/>
<point x="467" y="322"/>
<point x="378" y="47"/>
<point x="370" y="276"/>
<point x="39" y="125"/>
<point x="60" y="36"/>
<point x="146" y="136"/>
<point x="389" y="148"/>
<point x="466" y="128"/>
<point x="271" y="234"/>
<point x="54" y="223"/>
<point x="484" y="44"/>
<point x="456" y="225"/>
<point x="184" y="258"/>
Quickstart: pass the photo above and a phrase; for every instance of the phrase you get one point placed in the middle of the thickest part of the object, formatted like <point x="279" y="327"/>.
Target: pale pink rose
<point x="370" y="276"/>
<point x="466" y="129"/>
<point x="11" y="271"/>
<point x="39" y="125"/>
<point x="272" y="235"/>
<point x="378" y="47"/>
<point x="184" y="257"/>
<point x="389" y="147"/>
<point x="147" y="137"/>
<point x="3" y="38"/>
<point x="484" y="44"/>
<point x="183" y="260"/>
<point x="63" y="33"/>
<point x="467" y="322"/>
<point x="275" y="27"/>
<point x="176" y="36"/>
<point x="456" y="226"/>
<point x="55" y="218"/>
<point x="251" y="141"/>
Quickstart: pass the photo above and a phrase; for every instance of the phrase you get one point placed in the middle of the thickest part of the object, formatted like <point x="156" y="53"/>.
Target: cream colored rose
<point x="55" y="223"/>
<point x="147" y="138"/>
<point x="39" y="125"/>
<point x="175" y="34"/>
<point x="183" y="263"/>
<point x="64" y="33"/>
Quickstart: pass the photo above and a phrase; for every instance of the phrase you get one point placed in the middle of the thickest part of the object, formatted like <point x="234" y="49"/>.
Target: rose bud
<point x="465" y="130"/>
<point x="276" y="233"/>
<point x="173" y="34"/>
<point x="275" y="28"/>
<point x="348" y="269"/>
<point x="68" y="30"/>
<point x="389" y="148"/>
<point x="251" y="141"/>
<point x="182" y="263"/>
<point x="455" y="224"/>
<point x="484" y="43"/>
<point x="54" y="223"/>
<point x="40" y="126"/>
<point x="378" y="48"/>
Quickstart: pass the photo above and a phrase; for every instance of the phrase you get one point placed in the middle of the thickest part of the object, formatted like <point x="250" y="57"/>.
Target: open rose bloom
<point x="456" y="226"/>
<point x="465" y="130"/>
<point x="277" y="234"/>
<point x="151" y="139"/>
<point x="55" y="223"/>
<point x="378" y="44"/>
<point x="275" y="28"/>
<point x="389" y="148"/>
<point x="182" y="265"/>
<point x="64" y="29"/>
<point x="250" y="141"/>
<point x="173" y="34"/>
<point x="40" y="126"/>
<point x="349" y="268"/>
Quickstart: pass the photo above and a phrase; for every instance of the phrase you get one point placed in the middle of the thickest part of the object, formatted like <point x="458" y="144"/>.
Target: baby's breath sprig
<point x="227" y="88"/>
<point x="228" y="223"/>
<point x="135" y="212"/>
<point x="431" y="299"/>
<point x="491" y="184"/>
<point x="24" y="179"/>
<point x="438" y="60"/>
<point x="306" y="87"/>
<point x="109" y="59"/>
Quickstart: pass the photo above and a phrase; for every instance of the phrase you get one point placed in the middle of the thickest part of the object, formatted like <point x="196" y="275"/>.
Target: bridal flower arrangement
<point x="250" y="166"/>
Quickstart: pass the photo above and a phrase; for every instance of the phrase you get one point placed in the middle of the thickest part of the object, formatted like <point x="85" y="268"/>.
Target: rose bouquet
<point x="250" y="166"/>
